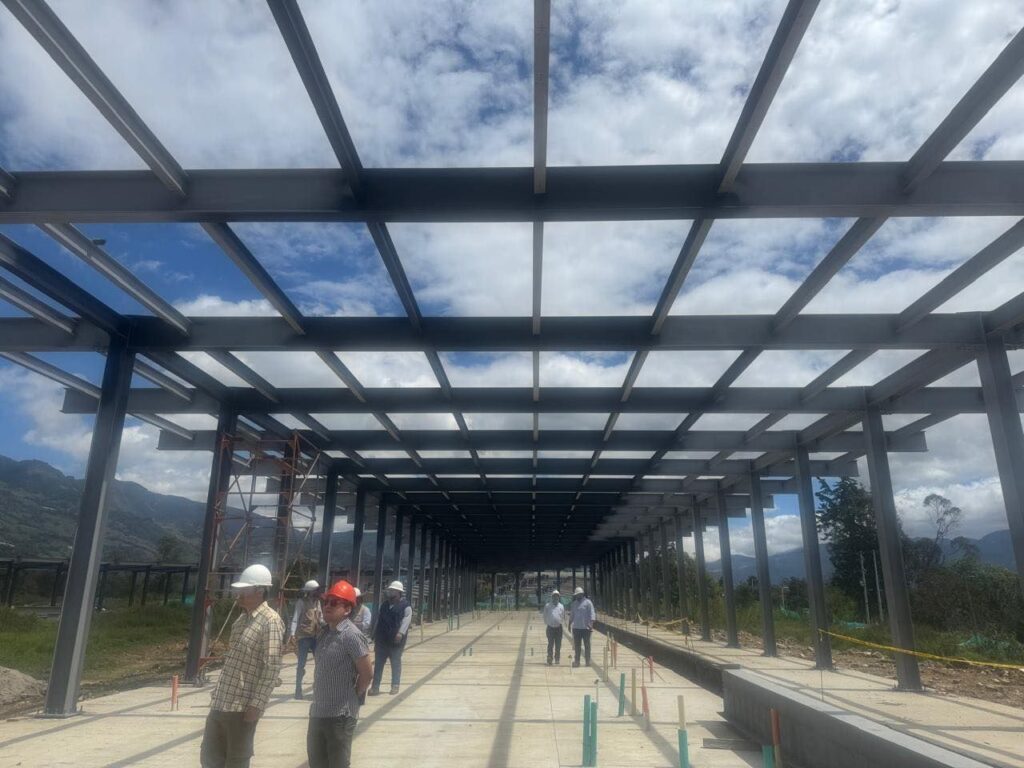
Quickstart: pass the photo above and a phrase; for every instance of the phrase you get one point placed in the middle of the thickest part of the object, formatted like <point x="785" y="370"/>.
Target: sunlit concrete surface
<point x="986" y="731"/>
<point x="500" y="706"/>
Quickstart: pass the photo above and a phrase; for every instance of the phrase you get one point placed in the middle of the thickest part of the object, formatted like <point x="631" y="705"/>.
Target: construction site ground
<point x="478" y="695"/>
<point x="989" y="728"/>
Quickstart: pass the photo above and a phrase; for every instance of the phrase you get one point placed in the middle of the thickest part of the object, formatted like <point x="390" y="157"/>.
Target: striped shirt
<point x="252" y="662"/>
<point x="334" y="677"/>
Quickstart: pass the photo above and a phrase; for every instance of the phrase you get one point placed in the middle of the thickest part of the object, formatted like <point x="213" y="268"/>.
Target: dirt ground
<point x="1002" y="686"/>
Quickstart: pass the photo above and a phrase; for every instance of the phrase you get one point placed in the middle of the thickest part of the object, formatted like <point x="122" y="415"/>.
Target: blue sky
<point x="450" y="84"/>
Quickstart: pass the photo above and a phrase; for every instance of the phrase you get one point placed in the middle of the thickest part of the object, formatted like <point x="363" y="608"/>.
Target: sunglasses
<point x="332" y="602"/>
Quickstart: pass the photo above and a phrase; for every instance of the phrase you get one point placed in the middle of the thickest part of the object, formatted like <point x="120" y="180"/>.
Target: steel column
<point x="633" y="578"/>
<point x="327" y="528"/>
<point x="411" y="586"/>
<point x="901" y="625"/>
<point x="731" y="633"/>
<point x="1007" y="440"/>
<point x="666" y="567"/>
<point x="764" y="582"/>
<point x="359" y="525"/>
<point x="517" y="590"/>
<point x="702" y="583"/>
<point x="378" y="561"/>
<point x="494" y="588"/>
<point x="282" y="532"/>
<point x="684" y="609"/>
<point x="83" y="570"/>
<point x="812" y="562"/>
<point x="424" y="555"/>
<point x="397" y="551"/>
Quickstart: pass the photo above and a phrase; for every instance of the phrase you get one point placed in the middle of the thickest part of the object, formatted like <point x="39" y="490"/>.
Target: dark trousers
<point x="227" y="740"/>
<point x="303" y="647"/>
<point x="381" y="654"/>
<point x="554" y="643"/>
<point x="581" y="636"/>
<point x="329" y="741"/>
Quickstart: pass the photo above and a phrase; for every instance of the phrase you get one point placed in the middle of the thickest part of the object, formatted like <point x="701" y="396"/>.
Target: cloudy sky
<point x="450" y="84"/>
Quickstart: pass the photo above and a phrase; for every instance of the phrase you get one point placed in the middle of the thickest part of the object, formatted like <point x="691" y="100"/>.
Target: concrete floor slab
<point x="501" y="707"/>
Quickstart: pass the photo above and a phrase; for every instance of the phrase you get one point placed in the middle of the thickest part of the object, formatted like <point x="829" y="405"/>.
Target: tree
<point x="847" y="519"/>
<point x="944" y="516"/>
<point x="170" y="549"/>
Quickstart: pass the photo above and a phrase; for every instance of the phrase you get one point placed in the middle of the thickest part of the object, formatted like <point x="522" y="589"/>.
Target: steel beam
<point x="621" y="193"/>
<point x="897" y="596"/>
<point x="666" y="568"/>
<point x="83" y="570"/>
<point x="567" y="440"/>
<point x="812" y="564"/>
<point x="1007" y="440"/>
<point x="474" y="334"/>
<point x="764" y="581"/>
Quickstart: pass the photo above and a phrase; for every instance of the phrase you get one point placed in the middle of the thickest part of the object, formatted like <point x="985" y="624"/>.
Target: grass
<point x="123" y="642"/>
<point x="950" y="644"/>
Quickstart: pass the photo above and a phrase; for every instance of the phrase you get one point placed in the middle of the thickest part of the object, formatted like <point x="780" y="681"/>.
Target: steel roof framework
<point x="531" y="510"/>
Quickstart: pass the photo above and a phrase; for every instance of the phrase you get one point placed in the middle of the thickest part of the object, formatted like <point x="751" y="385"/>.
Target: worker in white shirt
<point x="581" y="619"/>
<point x="306" y="621"/>
<point x="362" y="615"/>
<point x="554" y="616"/>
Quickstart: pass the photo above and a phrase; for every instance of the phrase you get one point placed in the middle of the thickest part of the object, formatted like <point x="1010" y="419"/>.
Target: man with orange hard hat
<point x="340" y="679"/>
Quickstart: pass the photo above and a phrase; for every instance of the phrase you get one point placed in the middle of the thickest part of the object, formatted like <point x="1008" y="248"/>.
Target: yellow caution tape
<point x="920" y="654"/>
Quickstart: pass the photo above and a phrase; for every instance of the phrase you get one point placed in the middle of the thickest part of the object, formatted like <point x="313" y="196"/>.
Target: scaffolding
<point x="265" y="513"/>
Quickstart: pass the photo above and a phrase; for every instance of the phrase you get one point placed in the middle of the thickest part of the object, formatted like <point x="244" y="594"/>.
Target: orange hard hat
<point x="343" y="591"/>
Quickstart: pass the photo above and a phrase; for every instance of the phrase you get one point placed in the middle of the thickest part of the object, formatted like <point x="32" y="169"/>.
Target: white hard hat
<point x="311" y="586"/>
<point x="359" y="592"/>
<point x="555" y="592"/>
<point x="578" y="591"/>
<point x="397" y="585"/>
<point x="254" y="576"/>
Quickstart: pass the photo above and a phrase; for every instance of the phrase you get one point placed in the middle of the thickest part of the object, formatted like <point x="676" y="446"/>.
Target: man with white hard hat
<point x="250" y="671"/>
<point x="581" y="619"/>
<point x="306" y="622"/>
<point x="393" y="619"/>
<point x="554" y="616"/>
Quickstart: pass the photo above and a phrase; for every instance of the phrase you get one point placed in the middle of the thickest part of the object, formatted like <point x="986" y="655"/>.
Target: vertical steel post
<point x="411" y="586"/>
<point x="1007" y="439"/>
<point x="633" y="579"/>
<point x="901" y="625"/>
<point x="517" y="590"/>
<point x="702" y="579"/>
<point x="396" y="555"/>
<point x="282" y="531"/>
<point x="684" y="608"/>
<point x="432" y="592"/>
<point x="812" y="562"/>
<point x="666" y="570"/>
<point x="494" y="588"/>
<point x="185" y="578"/>
<point x="731" y="632"/>
<point x="764" y="581"/>
<point x="378" y="561"/>
<point x="327" y="528"/>
<point x="358" y="528"/>
<point x="83" y="570"/>
<point x="423" y="570"/>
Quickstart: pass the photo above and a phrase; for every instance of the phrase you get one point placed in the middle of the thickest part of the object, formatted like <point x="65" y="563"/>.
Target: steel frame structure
<point x="517" y="514"/>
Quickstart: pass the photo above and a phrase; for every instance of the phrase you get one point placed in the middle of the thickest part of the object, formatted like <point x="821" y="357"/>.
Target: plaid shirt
<point x="252" y="663"/>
